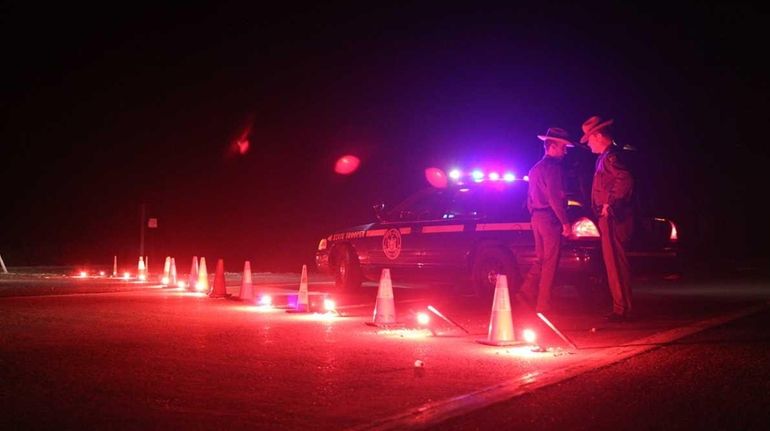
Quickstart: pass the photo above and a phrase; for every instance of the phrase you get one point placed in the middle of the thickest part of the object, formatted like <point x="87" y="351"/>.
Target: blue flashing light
<point x="526" y="177"/>
<point x="494" y="176"/>
<point x="509" y="177"/>
<point x="478" y="175"/>
<point x="455" y="174"/>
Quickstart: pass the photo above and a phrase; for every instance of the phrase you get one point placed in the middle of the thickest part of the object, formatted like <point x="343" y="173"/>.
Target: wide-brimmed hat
<point x="593" y="125"/>
<point x="557" y="134"/>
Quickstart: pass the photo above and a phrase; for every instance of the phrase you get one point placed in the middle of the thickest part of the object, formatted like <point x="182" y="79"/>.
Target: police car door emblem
<point x="391" y="244"/>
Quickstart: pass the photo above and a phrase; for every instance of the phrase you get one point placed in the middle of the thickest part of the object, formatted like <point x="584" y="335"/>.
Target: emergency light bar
<point x="478" y="175"/>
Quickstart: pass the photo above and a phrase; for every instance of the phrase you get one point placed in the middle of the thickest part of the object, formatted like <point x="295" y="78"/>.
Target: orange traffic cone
<point x="192" y="280"/>
<point x="172" y="275"/>
<point x="219" y="290"/>
<point x="247" y="288"/>
<point x="141" y="271"/>
<point x="501" y="321"/>
<point x="384" y="307"/>
<point x="202" y="285"/>
<point x="303" y="305"/>
<point x="166" y="271"/>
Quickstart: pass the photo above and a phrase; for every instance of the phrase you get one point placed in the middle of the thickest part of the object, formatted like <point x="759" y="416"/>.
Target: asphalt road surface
<point x="137" y="356"/>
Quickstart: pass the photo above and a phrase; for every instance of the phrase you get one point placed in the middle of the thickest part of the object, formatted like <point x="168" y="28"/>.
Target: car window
<point x="503" y="201"/>
<point x="427" y="204"/>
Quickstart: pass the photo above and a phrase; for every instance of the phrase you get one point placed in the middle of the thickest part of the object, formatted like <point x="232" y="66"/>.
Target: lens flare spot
<point x="436" y="177"/>
<point x="347" y="164"/>
<point x="243" y="146"/>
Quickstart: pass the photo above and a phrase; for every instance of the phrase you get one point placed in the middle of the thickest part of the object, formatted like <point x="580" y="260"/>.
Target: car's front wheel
<point x="347" y="275"/>
<point x="487" y="265"/>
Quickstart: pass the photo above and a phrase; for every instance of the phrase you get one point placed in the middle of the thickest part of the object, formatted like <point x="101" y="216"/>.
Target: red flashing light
<point x="423" y="318"/>
<point x="529" y="336"/>
<point x="330" y="305"/>
<point x="584" y="228"/>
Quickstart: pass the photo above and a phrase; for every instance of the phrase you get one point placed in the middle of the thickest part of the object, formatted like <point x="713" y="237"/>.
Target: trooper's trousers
<point x="614" y="235"/>
<point x="546" y="229"/>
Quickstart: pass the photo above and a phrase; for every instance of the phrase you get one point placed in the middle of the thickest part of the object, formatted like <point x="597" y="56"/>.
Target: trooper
<point x="611" y="200"/>
<point x="547" y="206"/>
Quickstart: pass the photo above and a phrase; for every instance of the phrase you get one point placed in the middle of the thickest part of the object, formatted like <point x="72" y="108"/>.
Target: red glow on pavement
<point x="436" y="177"/>
<point x="406" y="333"/>
<point x="518" y="352"/>
<point x="346" y="164"/>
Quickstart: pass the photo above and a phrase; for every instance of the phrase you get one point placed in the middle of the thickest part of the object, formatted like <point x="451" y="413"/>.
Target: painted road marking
<point x="435" y="412"/>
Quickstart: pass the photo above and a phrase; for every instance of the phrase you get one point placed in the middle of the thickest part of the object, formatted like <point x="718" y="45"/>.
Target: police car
<point x="468" y="232"/>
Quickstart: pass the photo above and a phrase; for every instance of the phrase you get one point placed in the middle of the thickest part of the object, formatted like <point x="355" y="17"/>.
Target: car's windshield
<point x="477" y="201"/>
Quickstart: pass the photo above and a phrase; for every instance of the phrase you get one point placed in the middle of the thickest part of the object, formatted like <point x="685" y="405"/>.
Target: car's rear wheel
<point x="347" y="275"/>
<point x="487" y="265"/>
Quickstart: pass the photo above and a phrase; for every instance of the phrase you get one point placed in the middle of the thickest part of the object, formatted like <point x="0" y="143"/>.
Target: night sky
<point x="107" y="107"/>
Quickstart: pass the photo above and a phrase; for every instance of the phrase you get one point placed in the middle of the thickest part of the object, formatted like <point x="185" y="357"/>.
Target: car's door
<point x="399" y="246"/>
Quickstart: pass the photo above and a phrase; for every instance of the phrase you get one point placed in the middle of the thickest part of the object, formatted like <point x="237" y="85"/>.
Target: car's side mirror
<point x="379" y="209"/>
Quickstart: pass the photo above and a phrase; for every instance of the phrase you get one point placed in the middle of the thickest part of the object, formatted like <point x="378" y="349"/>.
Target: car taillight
<point x="674" y="236"/>
<point x="322" y="244"/>
<point x="584" y="228"/>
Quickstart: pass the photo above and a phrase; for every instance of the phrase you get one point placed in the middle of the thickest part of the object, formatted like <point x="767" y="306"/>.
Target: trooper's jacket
<point x="613" y="184"/>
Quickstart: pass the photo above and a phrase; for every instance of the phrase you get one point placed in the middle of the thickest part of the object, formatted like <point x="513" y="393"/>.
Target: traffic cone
<point x="303" y="305"/>
<point x="219" y="290"/>
<point x="172" y="275"/>
<point x="202" y="285"/>
<point x="192" y="279"/>
<point x="501" y="321"/>
<point x="166" y="271"/>
<point x="247" y="288"/>
<point x="141" y="270"/>
<point x="384" y="307"/>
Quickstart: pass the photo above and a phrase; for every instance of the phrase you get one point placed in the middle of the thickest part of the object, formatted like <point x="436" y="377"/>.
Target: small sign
<point x="152" y="223"/>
